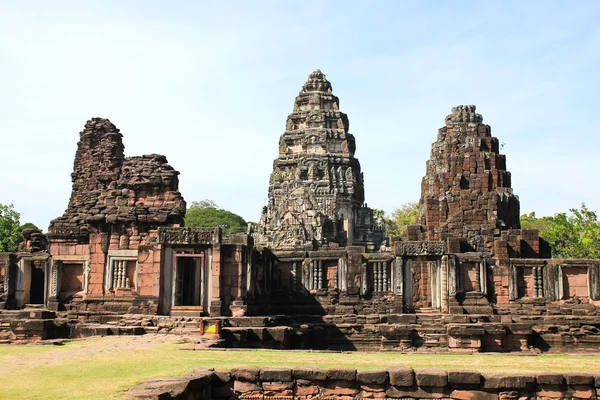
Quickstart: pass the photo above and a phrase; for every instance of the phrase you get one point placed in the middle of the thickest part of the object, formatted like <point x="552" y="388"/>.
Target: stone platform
<point x="421" y="332"/>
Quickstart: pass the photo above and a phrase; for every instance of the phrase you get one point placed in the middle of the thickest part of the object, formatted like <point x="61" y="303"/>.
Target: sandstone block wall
<point x="466" y="192"/>
<point x="393" y="383"/>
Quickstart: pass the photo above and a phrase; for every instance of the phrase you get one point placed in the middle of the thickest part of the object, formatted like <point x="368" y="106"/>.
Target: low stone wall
<point x="394" y="383"/>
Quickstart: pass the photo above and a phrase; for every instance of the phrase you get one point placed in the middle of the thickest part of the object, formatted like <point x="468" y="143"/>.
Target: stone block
<point x="401" y="376"/>
<point x="508" y="381"/>
<point x="372" y="377"/>
<point x="310" y="374"/>
<point x="246" y="373"/>
<point x="431" y="378"/>
<point x="579" y="379"/>
<point x="276" y="375"/>
<point x="341" y="374"/>
<point x="339" y="388"/>
<point x="416" y="393"/>
<point x="550" y="379"/>
<point x="244" y="387"/>
<point x="464" y="377"/>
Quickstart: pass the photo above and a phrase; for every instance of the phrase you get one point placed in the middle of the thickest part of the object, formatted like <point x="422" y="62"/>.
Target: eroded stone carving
<point x="189" y="235"/>
<point x="420" y="248"/>
<point x="316" y="186"/>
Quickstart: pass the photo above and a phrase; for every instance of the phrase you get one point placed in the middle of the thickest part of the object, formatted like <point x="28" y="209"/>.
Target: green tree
<point x="574" y="235"/>
<point x="10" y="234"/>
<point x="206" y="213"/>
<point x="28" y="225"/>
<point x="206" y="203"/>
<point x="400" y="219"/>
<point x="379" y="219"/>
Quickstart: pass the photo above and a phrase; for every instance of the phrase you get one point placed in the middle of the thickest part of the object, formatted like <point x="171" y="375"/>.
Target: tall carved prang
<point x="109" y="188"/>
<point x="316" y="190"/>
<point x="466" y="192"/>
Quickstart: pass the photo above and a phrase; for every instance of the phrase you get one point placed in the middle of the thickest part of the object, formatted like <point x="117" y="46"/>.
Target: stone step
<point x="35" y="306"/>
<point x="87" y="330"/>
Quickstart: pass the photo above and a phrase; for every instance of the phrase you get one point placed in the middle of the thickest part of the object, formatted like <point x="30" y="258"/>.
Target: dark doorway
<point x="36" y="291"/>
<point x="189" y="281"/>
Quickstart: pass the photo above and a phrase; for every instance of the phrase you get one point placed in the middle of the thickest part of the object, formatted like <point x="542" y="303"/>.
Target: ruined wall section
<point x="316" y="185"/>
<point x="466" y="192"/>
<point x="109" y="188"/>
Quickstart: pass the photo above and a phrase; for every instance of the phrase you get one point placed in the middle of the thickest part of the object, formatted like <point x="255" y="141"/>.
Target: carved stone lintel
<point x="420" y="248"/>
<point x="189" y="236"/>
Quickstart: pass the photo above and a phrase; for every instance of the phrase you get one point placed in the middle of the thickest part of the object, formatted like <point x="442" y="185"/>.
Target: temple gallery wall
<point x="317" y="272"/>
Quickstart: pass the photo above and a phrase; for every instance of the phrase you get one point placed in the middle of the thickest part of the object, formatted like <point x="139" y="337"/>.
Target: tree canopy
<point x="206" y="213"/>
<point x="574" y="235"/>
<point x="400" y="219"/>
<point x="10" y="234"/>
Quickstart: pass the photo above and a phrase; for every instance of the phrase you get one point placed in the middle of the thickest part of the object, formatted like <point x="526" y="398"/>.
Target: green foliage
<point x="571" y="236"/>
<point x="400" y="219"/>
<point x="206" y="203"/>
<point x="28" y="225"/>
<point x="206" y="213"/>
<point x="379" y="219"/>
<point x="10" y="234"/>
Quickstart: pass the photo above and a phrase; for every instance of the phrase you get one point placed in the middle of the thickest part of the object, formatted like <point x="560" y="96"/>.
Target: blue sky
<point x="210" y="84"/>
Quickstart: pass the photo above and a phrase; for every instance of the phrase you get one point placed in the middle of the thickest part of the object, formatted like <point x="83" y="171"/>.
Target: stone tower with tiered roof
<point x="316" y="190"/>
<point x="466" y="192"/>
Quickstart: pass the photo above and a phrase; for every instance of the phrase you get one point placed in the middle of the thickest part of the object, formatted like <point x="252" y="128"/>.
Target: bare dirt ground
<point x="89" y="347"/>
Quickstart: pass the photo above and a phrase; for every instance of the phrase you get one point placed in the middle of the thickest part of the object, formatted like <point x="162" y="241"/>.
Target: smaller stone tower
<point x="466" y="192"/>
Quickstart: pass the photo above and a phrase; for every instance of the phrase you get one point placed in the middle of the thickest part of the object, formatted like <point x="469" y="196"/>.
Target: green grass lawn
<point x="102" y="376"/>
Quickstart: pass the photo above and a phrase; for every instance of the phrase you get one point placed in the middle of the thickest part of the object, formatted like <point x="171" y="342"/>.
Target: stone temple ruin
<point x="316" y="273"/>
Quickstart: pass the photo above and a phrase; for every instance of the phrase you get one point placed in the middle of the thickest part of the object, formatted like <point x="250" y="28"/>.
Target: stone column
<point x="444" y="284"/>
<point x="594" y="281"/>
<point x="452" y="276"/>
<point x="311" y="275"/>
<point x="249" y="276"/>
<point x="512" y="282"/>
<point x="363" y="278"/>
<point x="483" y="276"/>
<point x="215" y="302"/>
<point x="319" y="274"/>
<point x="398" y="277"/>
<point x="294" y="276"/>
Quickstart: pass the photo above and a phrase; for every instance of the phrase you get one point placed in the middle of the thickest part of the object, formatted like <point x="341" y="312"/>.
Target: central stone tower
<point x="316" y="190"/>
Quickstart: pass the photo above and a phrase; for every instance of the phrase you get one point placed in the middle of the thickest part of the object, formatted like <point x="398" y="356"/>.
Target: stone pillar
<point x="363" y="279"/>
<point x="513" y="289"/>
<point x="444" y="284"/>
<point x="306" y="279"/>
<point x="594" y="281"/>
<point x="249" y="276"/>
<point x="537" y="281"/>
<point x="559" y="290"/>
<point x="294" y="276"/>
<point x="483" y="276"/>
<point x="478" y="278"/>
<point x="54" y="285"/>
<point x="452" y="277"/>
<point x="398" y="277"/>
<point x="216" y="303"/>
<point x="311" y="275"/>
<point x="319" y="274"/>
